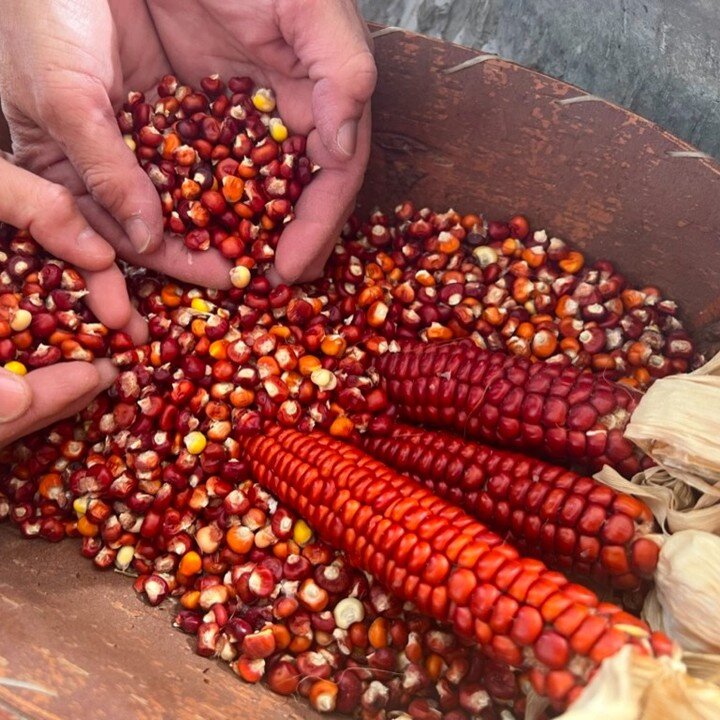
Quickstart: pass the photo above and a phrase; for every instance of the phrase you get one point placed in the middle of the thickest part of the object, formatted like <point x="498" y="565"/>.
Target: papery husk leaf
<point x="703" y="666"/>
<point x="678" y="502"/>
<point x="631" y="686"/>
<point x="684" y="601"/>
<point x="676" y="423"/>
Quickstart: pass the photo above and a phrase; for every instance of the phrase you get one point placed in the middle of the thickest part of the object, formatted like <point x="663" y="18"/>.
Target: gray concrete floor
<point x="660" y="58"/>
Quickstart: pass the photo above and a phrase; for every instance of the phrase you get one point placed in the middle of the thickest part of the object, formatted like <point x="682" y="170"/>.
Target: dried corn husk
<point x="630" y="686"/>
<point x="676" y="423"/>
<point x="676" y="504"/>
<point x="684" y="601"/>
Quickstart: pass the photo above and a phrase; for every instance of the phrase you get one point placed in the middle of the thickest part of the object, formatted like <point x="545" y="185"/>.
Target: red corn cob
<point x="452" y="567"/>
<point x="557" y="412"/>
<point x="570" y="521"/>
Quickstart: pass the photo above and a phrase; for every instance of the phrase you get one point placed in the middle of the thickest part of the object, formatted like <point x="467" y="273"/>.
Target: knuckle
<point x="367" y="78"/>
<point x="361" y="70"/>
<point x="104" y="187"/>
<point x="72" y="102"/>
<point x="119" y="188"/>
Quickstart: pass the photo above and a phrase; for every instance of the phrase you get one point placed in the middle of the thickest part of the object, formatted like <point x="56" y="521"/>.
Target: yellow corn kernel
<point x="128" y="140"/>
<point x="302" y="533"/>
<point x="278" y="131"/>
<point x="333" y="345"/>
<point x="308" y="364"/>
<point x="424" y="278"/>
<point x="280" y="331"/>
<point x="324" y="379"/>
<point x="21" y="320"/>
<point x="195" y="442"/>
<point x="190" y="600"/>
<point x="15" y="367"/>
<point x="201" y="305"/>
<point x="240" y="276"/>
<point x="264" y="100"/>
<point x="80" y="505"/>
<point x="124" y="557"/>
<point x="342" y="426"/>
<point x="232" y="188"/>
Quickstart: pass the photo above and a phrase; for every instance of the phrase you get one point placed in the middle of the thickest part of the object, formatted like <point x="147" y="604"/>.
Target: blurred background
<point x="660" y="58"/>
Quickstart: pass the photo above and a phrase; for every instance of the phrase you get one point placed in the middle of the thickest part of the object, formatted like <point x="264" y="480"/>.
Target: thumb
<point x="15" y="396"/>
<point x="330" y="40"/>
<point x="83" y="123"/>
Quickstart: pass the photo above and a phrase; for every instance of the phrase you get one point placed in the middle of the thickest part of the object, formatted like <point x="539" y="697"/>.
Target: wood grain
<point x="83" y="636"/>
<point x="493" y="138"/>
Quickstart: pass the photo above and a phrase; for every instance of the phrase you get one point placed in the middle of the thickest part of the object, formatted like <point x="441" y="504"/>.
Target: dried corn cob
<point x="557" y="412"/>
<point x="570" y="521"/>
<point x="451" y="566"/>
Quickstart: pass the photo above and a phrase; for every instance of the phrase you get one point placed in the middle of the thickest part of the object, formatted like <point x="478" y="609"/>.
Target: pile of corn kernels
<point x="150" y="476"/>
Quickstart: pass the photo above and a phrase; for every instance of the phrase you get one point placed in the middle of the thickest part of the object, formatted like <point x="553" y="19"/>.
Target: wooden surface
<point x="660" y="58"/>
<point x="494" y="138"/>
<point x="95" y="651"/>
<point x="491" y="138"/>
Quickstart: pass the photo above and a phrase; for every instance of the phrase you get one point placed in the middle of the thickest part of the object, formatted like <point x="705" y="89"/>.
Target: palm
<point x="258" y="39"/>
<point x="90" y="54"/>
<point x="216" y="46"/>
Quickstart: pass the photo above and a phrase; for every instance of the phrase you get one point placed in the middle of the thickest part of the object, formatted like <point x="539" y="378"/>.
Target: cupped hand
<point x="316" y="55"/>
<point x="65" y="66"/>
<point x="80" y="58"/>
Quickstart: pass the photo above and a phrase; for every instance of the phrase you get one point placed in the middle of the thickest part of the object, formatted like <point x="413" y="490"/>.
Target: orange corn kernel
<point x="573" y="262"/>
<point x="342" y="426"/>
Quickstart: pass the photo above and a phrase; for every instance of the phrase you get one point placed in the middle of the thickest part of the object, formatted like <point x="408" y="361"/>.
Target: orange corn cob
<point x="570" y="521"/>
<point x="451" y="566"/>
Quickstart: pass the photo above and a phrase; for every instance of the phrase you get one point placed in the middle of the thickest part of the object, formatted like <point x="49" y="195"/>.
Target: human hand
<point x="49" y="212"/>
<point x="64" y="66"/>
<point x="316" y="56"/>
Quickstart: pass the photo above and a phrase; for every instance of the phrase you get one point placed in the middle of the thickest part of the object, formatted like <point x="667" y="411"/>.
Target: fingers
<point x="53" y="218"/>
<point x="51" y="215"/>
<point x="206" y="269"/>
<point x="323" y="208"/>
<point x="108" y="299"/>
<point x="56" y="392"/>
<point x="137" y="328"/>
<point x="80" y="118"/>
<point x="294" y="102"/>
<point x="330" y="40"/>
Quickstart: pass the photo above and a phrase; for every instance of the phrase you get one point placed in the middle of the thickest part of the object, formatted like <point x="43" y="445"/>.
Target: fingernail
<point x="347" y="137"/>
<point x="139" y="234"/>
<point x="14" y="396"/>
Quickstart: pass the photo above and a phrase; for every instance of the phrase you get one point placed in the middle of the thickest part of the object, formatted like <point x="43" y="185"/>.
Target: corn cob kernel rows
<point x="451" y="566"/>
<point x="556" y="412"/>
<point x="570" y="521"/>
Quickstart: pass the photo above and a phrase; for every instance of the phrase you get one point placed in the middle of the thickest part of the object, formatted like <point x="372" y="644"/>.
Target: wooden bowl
<point x="452" y="128"/>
